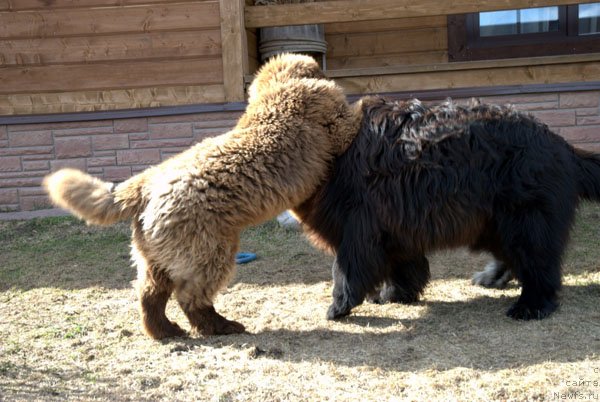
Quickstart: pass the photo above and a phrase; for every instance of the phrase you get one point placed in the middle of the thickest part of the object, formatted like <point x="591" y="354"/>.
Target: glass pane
<point x="589" y="18"/>
<point x="495" y="23"/>
<point x="512" y="22"/>
<point x="543" y="19"/>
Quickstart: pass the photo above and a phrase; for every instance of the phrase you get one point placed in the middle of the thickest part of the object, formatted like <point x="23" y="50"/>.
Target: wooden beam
<point x="241" y="106"/>
<point x="235" y="51"/>
<point x="127" y="98"/>
<point x="360" y="10"/>
<point x="464" y="65"/>
<point x="501" y="76"/>
<point x="438" y="68"/>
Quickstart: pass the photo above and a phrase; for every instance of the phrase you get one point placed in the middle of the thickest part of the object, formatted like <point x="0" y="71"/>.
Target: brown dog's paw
<point x="221" y="326"/>
<point x="206" y="321"/>
<point x="167" y="329"/>
<point x="230" y="327"/>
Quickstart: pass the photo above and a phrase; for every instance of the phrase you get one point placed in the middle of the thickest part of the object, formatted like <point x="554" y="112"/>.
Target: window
<point x="588" y="19"/>
<point x="541" y="31"/>
<point x="514" y="22"/>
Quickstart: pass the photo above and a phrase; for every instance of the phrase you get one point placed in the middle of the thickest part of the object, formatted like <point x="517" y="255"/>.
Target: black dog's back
<point x="422" y="178"/>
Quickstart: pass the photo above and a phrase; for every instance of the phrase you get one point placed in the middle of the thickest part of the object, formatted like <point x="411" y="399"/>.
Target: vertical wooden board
<point x="252" y="43"/>
<point x="235" y="51"/>
<point x="253" y="55"/>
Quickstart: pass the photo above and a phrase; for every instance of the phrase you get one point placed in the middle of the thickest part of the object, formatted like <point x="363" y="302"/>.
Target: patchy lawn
<point x="69" y="328"/>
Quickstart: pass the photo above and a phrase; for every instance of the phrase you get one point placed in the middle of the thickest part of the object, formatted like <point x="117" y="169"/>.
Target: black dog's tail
<point x="589" y="174"/>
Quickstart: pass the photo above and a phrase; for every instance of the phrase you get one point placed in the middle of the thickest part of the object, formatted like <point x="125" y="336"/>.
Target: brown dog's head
<point x="282" y="68"/>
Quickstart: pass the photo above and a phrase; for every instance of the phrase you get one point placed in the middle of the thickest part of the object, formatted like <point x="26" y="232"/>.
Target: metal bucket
<point x="306" y="39"/>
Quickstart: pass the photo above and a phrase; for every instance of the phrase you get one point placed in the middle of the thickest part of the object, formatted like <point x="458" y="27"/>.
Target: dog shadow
<point x="474" y="333"/>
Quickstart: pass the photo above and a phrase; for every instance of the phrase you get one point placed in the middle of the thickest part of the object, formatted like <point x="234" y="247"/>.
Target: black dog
<point x="419" y="178"/>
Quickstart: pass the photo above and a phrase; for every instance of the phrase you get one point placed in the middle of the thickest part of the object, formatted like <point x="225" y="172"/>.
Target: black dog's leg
<point x="533" y="244"/>
<point x="358" y="268"/>
<point x="406" y="283"/>
<point x="344" y="297"/>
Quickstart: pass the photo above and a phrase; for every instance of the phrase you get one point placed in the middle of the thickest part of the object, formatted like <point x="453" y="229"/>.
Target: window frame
<point x="465" y="44"/>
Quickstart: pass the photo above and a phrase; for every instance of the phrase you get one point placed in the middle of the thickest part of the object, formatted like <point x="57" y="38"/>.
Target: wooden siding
<point x="372" y="10"/>
<point x="543" y="70"/>
<point x="124" y="53"/>
<point x="86" y="55"/>
<point x="234" y="45"/>
<point x="21" y="5"/>
<point x="386" y="42"/>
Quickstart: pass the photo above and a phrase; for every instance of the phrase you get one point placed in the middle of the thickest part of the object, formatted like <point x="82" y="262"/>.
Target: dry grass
<point x="69" y="330"/>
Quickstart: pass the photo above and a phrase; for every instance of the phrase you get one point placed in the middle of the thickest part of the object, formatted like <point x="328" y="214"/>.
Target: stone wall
<point x="111" y="149"/>
<point x="573" y="115"/>
<point x="116" y="149"/>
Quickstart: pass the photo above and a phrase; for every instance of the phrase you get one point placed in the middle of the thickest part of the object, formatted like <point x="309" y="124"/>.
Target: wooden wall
<point x="87" y="55"/>
<point x="252" y="40"/>
<point x="420" y="40"/>
<point x="411" y="54"/>
<point x="76" y="55"/>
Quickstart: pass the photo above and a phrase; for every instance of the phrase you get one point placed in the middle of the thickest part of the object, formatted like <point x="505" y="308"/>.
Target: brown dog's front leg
<point x="152" y="309"/>
<point x="206" y="321"/>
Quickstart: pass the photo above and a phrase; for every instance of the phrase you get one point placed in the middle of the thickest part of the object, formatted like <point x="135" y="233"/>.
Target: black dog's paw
<point x="393" y="294"/>
<point x="335" y="312"/>
<point x="399" y="297"/>
<point x="375" y="298"/>
<point x="521" y="311"/>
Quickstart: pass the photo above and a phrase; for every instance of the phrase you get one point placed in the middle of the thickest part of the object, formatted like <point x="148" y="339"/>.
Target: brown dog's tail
<point x="589" y="174"/>
<point x="91" y="199"/>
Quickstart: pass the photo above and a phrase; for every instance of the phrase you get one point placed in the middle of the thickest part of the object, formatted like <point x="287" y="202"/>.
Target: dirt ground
<point x="69" y="328"/>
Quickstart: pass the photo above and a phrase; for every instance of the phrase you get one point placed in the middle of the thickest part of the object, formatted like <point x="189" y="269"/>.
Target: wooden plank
<point x="99" y="76"/>
<point x="218" y="108"/>
<point x="385" y="25"/>
<point x="155" y="45"/>
<point x="86" y="101"/>
<point x="21" y="5"/>
<point x="360" y="10"/>
<point x="386" y="42"/>
<point x="522" y="75"/>
<point x="73" y="22"/>
<point x="235" y="48"/>
<point x="350" y="62"/>
<point x="466" y="65"/>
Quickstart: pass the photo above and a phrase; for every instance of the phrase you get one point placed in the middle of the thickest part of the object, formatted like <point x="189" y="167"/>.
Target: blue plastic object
<point x="243" y="258"/>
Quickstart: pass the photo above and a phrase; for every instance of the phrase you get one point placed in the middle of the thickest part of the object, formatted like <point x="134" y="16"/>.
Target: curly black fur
<point x="419" y="178"/>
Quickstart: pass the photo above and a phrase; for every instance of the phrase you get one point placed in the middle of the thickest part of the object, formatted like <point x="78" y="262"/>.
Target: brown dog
<point x="187" y="212"/>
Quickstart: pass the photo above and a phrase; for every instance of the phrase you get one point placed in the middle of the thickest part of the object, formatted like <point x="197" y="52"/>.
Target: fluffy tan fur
<point x="187" y="212"/>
